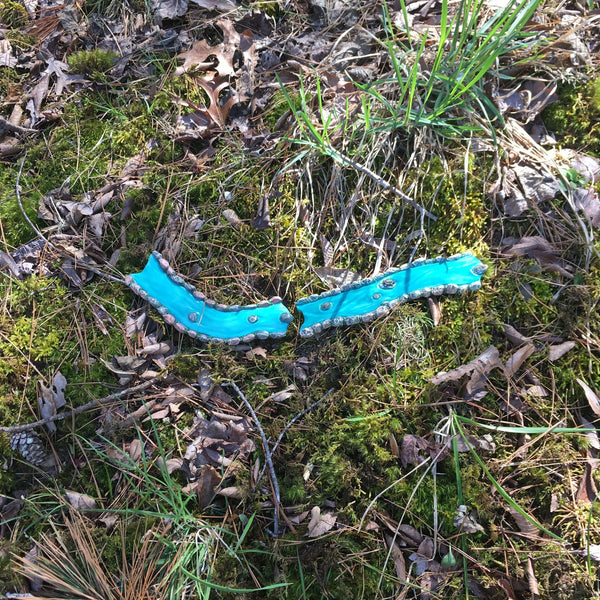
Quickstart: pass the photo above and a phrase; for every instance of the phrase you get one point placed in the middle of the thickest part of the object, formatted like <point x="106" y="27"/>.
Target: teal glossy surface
<point x="376" y="296"/>
<point x="224" y="324"/>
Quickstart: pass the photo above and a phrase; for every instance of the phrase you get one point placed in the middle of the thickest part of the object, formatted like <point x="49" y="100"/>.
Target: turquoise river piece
<point x="376" y="296"/>
<point x="189" y="311"/>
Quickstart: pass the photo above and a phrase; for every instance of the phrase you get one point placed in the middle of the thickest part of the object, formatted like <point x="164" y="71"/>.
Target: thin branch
<point x="89" y="405"/>
<point x="380" y="181"/>
<point x="268" y="455"/>
<point x="289" y="424"/>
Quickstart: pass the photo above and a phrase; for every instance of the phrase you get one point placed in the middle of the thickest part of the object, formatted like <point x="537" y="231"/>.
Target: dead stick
<point x="268" y="456"/>
<point x="83" y="408"/>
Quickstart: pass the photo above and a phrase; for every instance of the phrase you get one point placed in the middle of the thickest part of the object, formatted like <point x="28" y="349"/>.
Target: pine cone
<point x="29" y="445"/>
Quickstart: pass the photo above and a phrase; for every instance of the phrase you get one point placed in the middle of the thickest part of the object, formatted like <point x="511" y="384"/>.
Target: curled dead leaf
<point x="559" y="350"/>
<point x="517" y="358"/>
<point x="80" y="502"/>
<point x="591" y="396"/>
<point x="320" y="523"/>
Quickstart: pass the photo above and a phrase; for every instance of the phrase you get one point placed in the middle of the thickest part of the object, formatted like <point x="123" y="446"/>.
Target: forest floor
<point x="445" y="450"/>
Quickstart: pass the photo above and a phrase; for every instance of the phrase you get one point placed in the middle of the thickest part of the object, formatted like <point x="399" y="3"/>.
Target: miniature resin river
<point x="189" y="311"/>
<point x="374" y="297"/>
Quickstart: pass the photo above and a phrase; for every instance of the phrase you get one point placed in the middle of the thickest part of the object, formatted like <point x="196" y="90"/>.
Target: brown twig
<point x="76" y="411"/>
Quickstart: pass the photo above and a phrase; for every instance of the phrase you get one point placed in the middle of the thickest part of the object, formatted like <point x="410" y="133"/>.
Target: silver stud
<point x="387" y="284"/>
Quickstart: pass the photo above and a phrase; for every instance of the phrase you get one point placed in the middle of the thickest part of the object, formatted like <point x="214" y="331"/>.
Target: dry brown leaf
<point x="591" y="396"/>
<point x="587" y="491"/>
<point x="409" y="535"/>
<point x="170" y="9"/>
<point x="592" y="436"/>
<point x="203" y="57"/>
<point x="258" y="352"/>
<point x="507" y="587"/>
<point x="425" y="548"/>
<point x="415" y="450"/>
<point x="466" y="521"/>
<point x="334" y="277"/>
<point x="328" y="252"/>
<point x="394" y="449"/>
<point x="232" y="218"/>
<point x="135" y="450"/>
<point x="588" y="202"/>
<point x="80" y="502"/>
<point x="262" y="220"/>
<point x="539" y="248"/>
<point x="484" y="363"/>
<point x="534" y="588"/>
<point x="431" y="580"/>
<point x="109" y="520"/>
<point x="231" y="492"/>
<point x="52" y="398"/>
<point x="399" y="562"/>
<point x="524" y="524"/>
<point x="517" y="358"/>
<point x="151" y="349"/>
<point x="320" y="523"/>
<point x="30" y="560"/>
<point x="297" y="519"/>
<point x="559" y="350"/>
<point x="435" y="309"/>
<point x="515" y="337"/>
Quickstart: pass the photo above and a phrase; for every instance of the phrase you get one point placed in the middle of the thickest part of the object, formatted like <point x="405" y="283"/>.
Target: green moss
<point x="575" y="118"/>
<point x="92" y="63"/>
<point x="13" y="14"/>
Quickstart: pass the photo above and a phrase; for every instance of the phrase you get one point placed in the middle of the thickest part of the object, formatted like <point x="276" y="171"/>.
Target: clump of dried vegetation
<point x="449" y="450"/>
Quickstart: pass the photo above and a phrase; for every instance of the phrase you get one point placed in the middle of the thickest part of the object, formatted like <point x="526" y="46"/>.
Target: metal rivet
<point x="252" y="319"/>
<point x="387" y="284"/>
<point x="325" y="306"/>
<point x="193" y="317"/>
